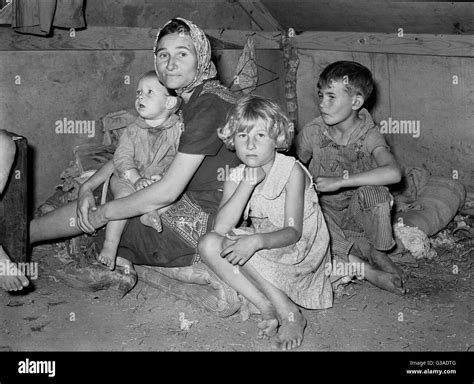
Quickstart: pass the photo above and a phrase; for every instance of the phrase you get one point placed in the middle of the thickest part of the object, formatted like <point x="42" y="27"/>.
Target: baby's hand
<point x="142" y="182"/>
<point x="328" y="184"/>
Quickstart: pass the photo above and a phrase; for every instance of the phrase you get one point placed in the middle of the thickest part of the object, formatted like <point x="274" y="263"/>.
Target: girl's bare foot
<point x="291" y="332"/>
<point x="11" y="279"/>
<point x="384" y="262"/>
<point x="108" y="254"/>
<point x="269" y="325"/>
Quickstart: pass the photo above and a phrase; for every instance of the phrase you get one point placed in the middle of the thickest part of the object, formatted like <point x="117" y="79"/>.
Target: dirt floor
<point x="435" y="315"/>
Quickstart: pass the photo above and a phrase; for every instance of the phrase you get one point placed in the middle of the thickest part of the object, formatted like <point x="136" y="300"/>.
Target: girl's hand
<point x="254" y="175"/>
<point x="142" y="182"/>
<point x="242" y="248"/>
<point x="328" y="184"/>
<point x="85" y="203"/>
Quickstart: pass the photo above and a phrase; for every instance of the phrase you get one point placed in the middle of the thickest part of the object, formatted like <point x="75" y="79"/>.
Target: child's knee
<point x="373" y="195"/>
<point x="209" y="244"/>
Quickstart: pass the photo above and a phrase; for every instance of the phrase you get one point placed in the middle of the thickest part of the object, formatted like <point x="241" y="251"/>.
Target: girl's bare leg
<point x="210" y="247"/>
<point x="293" y="323"/>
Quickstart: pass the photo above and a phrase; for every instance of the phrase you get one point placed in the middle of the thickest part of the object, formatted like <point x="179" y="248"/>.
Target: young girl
<point x="280" y="259"/>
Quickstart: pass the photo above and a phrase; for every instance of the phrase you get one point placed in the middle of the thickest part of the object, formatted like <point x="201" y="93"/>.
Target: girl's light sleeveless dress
<point x="298" y="269"/>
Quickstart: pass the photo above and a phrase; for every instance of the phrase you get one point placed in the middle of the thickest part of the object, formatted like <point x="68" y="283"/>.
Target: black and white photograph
<point x="237" y="176"/>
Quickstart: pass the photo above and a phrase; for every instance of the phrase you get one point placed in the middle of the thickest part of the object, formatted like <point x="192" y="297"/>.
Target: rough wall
<point x="434" y="93"/>
<point x="41" y="89"/>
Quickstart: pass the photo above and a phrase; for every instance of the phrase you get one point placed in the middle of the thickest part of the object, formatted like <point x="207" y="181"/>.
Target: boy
<point x="144" y="153"/>
<point x="351" y="163"/>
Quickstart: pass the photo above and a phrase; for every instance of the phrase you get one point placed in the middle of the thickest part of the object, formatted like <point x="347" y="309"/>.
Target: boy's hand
<point x="142" y="182"/>
<point x="242" y="248"/>
<point x="328" y="184"/>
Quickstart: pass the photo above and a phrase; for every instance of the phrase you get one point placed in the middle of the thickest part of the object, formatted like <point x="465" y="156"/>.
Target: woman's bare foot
<point x="126" y="265"/>
<point x="108" y="254"/>
<point x="269" y="325"/>
<point x="11" y="279"/>
<point x="152" y="219"/>
<point x="291" y="331"/>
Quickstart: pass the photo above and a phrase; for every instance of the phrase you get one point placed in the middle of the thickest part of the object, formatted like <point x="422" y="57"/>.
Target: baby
<point x="144" y="153"/>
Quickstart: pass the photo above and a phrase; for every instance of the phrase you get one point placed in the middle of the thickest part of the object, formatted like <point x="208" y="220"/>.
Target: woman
<point x="183" y="63"/>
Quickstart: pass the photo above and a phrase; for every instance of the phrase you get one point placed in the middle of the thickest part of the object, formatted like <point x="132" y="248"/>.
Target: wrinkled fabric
<point x="205" y="67"/>
<point x="38" y="17"/>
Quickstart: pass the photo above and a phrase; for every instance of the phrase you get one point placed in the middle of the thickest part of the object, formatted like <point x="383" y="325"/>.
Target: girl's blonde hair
<point x="247" y="112"/>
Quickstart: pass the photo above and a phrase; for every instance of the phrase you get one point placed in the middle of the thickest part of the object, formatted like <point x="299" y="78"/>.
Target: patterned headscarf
<point x="205" y="67"/>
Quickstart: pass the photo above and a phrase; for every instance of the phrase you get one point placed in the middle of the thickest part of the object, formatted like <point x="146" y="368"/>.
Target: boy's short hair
<point x="251" y="109"/>
<point x="356" y="78"/>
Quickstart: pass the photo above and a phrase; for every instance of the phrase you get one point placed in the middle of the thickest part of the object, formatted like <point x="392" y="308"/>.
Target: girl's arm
<point x="245" y="246"/>
<point x="234" y="200"/>
<point x="158" y="195"/>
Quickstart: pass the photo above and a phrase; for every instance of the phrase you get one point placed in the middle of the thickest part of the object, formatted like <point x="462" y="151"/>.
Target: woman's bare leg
<point x="60" y="223"/>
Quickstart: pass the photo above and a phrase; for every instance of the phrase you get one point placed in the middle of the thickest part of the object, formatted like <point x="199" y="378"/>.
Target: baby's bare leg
<point x="210" y="247"/>
<point x="114" y="229"/>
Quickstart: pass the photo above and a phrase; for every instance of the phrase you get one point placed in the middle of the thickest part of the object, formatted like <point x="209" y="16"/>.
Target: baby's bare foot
<point x="291" y="332"/>
<point x="11" y="278"/>
<point x="108" y="254"/>
<point x="152" y="220"/>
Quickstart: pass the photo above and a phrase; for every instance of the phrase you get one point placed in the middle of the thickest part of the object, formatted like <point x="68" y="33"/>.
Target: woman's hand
<point x="241" y="249"/>
<point x="85" y="203"/>
<point x="328" y="184"/>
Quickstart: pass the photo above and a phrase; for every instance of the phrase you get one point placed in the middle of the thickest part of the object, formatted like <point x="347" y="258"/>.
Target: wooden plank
<point x="124" y="38"/>
<point x="260" y="15"/>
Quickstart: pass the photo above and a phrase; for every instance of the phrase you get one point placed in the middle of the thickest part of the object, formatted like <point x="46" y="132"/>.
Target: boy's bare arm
<point x="388" y="172"/>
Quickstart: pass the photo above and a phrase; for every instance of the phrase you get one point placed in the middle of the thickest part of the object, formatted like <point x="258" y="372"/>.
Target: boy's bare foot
<point x="291" y="332"/>
<point x="388" y="281"/>
<point x="384" y="262"/>
<point x="108" y="254"/>
<point x="11" y="279"/>
<point x="269" y="325"/>
<point x="152" y="219"/>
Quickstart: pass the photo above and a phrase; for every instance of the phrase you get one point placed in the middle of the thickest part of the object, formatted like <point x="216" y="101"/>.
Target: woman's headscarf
<point x="205" y="67"/>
